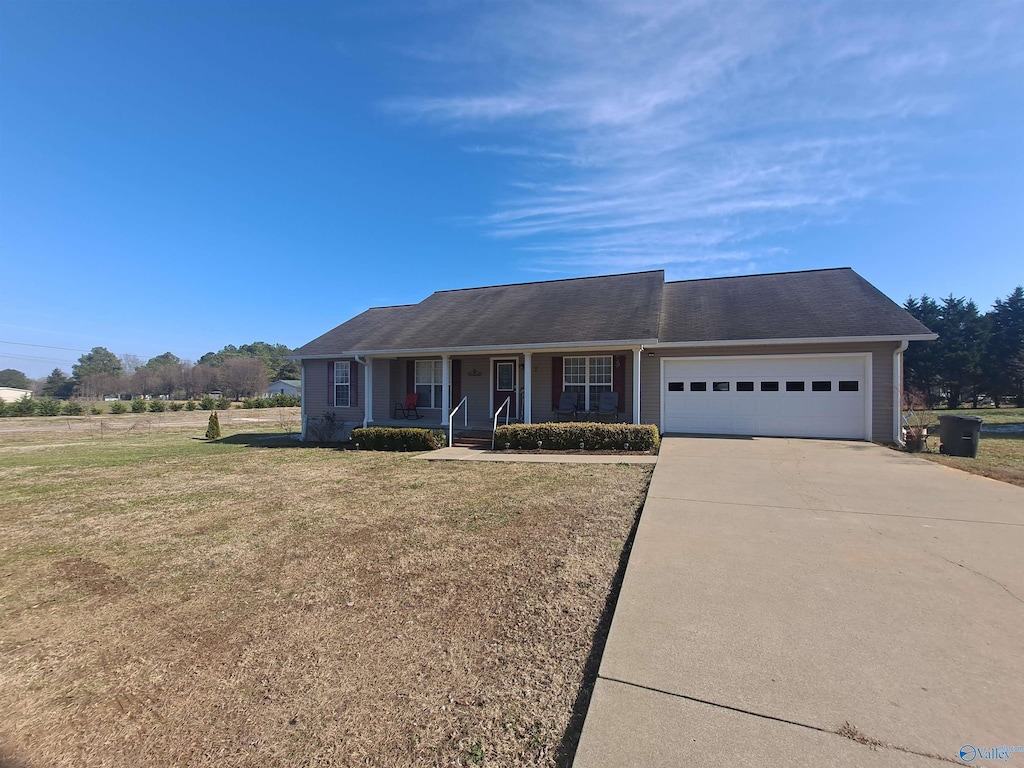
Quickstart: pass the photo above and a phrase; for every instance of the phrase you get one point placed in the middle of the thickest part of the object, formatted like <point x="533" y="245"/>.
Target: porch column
<point x="368" y="392"/>
<point x="527" y="387"/>
<point x="636" y="386"/>
<point x="446" y="395"/>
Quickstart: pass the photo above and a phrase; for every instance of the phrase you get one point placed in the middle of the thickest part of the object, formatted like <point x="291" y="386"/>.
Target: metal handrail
<point x="451" y="416"/>
<point x="507" y="407"/>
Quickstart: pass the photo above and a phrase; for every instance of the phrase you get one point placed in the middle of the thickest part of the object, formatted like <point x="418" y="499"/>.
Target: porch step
<point x="481" y="443"/>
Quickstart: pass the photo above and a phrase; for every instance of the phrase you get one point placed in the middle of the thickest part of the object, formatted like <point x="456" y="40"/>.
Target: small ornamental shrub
<point x="95" y="409"/>
<point x="157" y="406"/>
<point x="119" y="406"/>
<point x="223" y="403"/>
<point x="176" y="406"/>
<point x="208" y="403"/>
<point x="191" y="405"/>
<point x="398" y="439"/>
<point x="138" y="406"/>
<point x="46" y="406"/>
<point x="284" y="401"/>
<point x="575" y="436"/>
<point x="213" y="427"/>
<point x="23" y="406"/>
<point x="3" y="408"/>
<point x="73" y="408"/>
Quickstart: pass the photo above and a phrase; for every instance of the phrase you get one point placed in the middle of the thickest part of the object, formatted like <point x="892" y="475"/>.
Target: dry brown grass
<point x="164" y="601"/>
<point x="1000" y="457"/>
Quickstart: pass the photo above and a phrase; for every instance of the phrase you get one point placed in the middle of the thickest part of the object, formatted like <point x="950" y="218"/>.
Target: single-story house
<point x="292" y="387"/>
<point x="805" y="354"/>
<point x="13" y="394"/>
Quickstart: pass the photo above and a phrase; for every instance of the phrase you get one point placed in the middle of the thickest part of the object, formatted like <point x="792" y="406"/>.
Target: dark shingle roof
<point x="598" y="309"/>
<point x="823" y="303"/>
<point x="639" y="307"/>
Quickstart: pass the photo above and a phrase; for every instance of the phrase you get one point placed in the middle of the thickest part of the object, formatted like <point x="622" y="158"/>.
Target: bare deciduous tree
<point x="244" y="377"/>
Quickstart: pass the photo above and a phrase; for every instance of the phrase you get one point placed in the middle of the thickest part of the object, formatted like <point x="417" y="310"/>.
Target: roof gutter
<point x="805" y="340"/>
<point x="543" y="347"/>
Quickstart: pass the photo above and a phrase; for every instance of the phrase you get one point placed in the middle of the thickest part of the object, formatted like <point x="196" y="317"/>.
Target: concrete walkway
<point x="814" y="603"/>
<point x="473" y="454"/>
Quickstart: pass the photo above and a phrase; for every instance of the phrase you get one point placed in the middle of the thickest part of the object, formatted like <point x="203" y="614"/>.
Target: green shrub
<point x="3" y="408"/>
<point x="73" y="408"/>
<point x="23" y="406"/>
<point x="119" y="406"/>
<point x="95" y="409"/>
<point x="191" y="405"/>
<point x="157" y="406"/>
<point x="47" y="406"/>
<point x="213" y="427"/>
<point x="399" y="439"/>
<point x="569" y="435"/>
<point x="176" y="406"/>
<point x="283" y="401"/>
<point x="139" y="405"/>
<point x="208" y="403"/>
<point x="223" y="403"/>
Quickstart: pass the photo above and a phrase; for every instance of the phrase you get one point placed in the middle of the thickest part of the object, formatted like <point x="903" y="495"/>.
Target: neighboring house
<point x="808" y="354"/>
<point x="11" y="394"/>
<point x="291" y="387"/>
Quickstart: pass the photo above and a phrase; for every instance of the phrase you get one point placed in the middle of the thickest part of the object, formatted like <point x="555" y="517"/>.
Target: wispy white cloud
<point x="684" y="134"/>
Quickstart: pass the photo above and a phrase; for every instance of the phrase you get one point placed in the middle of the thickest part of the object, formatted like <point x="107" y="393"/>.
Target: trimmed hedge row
<point x="398" y="439"/>
<point x="568" y="436"/>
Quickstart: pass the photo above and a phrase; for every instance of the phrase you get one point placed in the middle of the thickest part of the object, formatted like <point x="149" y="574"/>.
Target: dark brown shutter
<point x="619" y="380"/>
<point x="456" y="382"/>
<point x="556" y="382"/>
<point x="330" y="383"/>
<point x="353" y="384"/>
<point x="410" y="377"/>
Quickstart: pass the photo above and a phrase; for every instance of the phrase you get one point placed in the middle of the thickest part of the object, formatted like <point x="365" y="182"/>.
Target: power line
<point x="42" y="346"/>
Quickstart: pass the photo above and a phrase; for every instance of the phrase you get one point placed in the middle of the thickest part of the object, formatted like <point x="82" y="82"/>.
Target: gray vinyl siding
<point x="477" y="389"/>
<point x="381" y="389"/>
<point x="881" y="376"/>
<point x="543" y="408"/>
<point x="319" y="396"/>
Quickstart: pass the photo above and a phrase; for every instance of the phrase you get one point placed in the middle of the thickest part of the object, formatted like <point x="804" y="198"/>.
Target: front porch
<point x="522" y="387"/>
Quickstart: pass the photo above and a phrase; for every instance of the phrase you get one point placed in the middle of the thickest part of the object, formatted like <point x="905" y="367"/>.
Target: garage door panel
<point x="799" y="396"/>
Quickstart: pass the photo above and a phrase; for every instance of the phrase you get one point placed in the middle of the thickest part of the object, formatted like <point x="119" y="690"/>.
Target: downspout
<point x="897" y="389"/>
<point x="302" y="411"/>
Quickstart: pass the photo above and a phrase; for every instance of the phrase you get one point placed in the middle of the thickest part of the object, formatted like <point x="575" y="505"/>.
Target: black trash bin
<point x="959" y="435"/>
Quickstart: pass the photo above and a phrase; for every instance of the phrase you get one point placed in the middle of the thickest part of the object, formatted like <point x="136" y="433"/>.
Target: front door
<point x="506" y="385"/>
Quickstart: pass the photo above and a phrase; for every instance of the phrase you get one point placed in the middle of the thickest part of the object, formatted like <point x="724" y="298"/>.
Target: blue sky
<point x="178" y="176"/>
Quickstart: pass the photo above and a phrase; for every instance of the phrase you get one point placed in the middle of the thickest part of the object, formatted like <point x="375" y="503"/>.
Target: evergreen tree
<point x="1004" y="356"/>
<point x="213" y="427"/>
<point x="961" y="344"/>
<point x="58" y="385"/>
<point x="9" y="377"/>
<point x="921" y="361"/>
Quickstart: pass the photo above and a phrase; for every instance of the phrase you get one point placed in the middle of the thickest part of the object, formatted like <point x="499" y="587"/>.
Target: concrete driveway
<point x="813" y="603"/>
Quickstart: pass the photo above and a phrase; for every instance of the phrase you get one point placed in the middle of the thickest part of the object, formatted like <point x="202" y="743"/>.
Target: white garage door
<point x="791" y="396"/>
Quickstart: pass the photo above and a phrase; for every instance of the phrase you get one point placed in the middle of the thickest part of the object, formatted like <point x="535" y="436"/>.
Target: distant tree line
<point x="976" y="356"/>
<point x="237" y="372"/>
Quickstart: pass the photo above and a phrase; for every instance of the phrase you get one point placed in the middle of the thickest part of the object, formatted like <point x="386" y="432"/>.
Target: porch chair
<point x="566" y="406"/>
<point x="408" y="408"/>
<point x="608" y="406"/>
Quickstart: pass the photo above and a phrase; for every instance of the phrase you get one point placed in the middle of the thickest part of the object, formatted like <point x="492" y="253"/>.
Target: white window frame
<point x="590" y="383"/>
<point x="435" y="382"/>
<point x="343" y="384"/>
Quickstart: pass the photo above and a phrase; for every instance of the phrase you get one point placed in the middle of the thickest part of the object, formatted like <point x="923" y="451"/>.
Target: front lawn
<point x="167" y="601"/>
<point x="1000" y="450"/>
